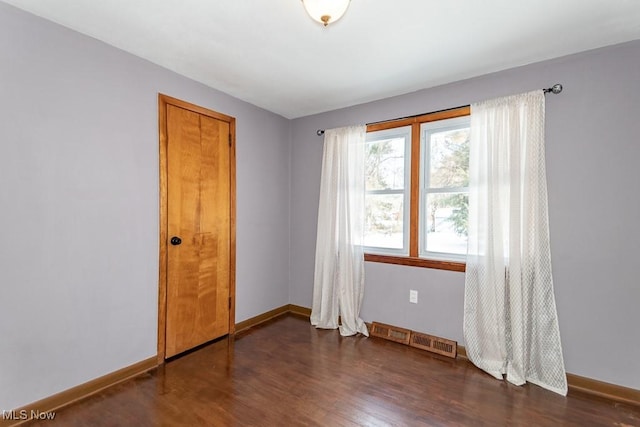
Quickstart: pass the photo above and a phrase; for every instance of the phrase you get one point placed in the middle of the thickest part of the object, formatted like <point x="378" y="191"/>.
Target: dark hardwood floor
<point x="287" y="373"/>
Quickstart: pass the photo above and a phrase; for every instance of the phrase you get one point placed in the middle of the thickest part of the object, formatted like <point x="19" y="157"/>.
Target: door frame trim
<point x="163" y="101"/>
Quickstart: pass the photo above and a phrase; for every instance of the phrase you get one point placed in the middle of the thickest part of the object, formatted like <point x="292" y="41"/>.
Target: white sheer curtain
<point x="510" y="318"/>
<point x="338" y="286"/>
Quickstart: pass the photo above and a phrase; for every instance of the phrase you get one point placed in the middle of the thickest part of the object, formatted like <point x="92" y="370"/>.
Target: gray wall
<point x="593" y="175"/>
<point x="79" y="206"/>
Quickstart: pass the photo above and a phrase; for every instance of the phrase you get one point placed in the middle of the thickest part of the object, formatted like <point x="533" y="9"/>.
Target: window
<point x="417" y="190"/>
<point x="444" y="188"/>
<point x="387" y="191"/>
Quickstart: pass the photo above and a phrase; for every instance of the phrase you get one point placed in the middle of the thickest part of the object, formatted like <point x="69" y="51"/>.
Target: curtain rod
<point x="555" y="89"/>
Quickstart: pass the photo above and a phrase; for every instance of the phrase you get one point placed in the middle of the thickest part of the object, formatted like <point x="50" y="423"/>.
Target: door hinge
<point x="229" y="140"/>
<point x="229" y="303"/>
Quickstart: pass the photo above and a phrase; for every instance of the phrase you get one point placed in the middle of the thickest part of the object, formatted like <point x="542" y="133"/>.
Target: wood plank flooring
<point x="287" y="373"/>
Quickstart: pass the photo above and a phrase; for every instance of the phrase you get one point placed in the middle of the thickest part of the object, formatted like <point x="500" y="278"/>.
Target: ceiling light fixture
<point x="326" y="11"/>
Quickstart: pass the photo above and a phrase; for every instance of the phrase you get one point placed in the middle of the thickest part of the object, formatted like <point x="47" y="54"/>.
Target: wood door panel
<point x="199" y="213"/>
<point x="219" y="213"/>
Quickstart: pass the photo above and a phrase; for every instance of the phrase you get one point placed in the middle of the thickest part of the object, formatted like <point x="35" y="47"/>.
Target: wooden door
<point x="198" y="238"/>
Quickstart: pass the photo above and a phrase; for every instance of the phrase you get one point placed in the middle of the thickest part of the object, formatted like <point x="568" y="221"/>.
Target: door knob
<point x="175" y="240"/>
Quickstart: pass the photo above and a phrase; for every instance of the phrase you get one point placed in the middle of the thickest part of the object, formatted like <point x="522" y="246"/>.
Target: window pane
<point x="384" y="221"/>
<point x="446" y="223"/>
<point x="385" y="164"/>
<point x="449" y="162"/>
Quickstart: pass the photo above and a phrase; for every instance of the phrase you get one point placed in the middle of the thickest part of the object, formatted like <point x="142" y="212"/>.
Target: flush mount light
<point x="326" y="11"/>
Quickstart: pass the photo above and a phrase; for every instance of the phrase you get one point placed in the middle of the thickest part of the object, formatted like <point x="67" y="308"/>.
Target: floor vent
<point x="419" y="340"/>
<point x="433" y="344"/>
<point x="391" y="333"/>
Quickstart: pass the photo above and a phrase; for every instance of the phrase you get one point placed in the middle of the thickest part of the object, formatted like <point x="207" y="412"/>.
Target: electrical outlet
<point x="413" y="296"/>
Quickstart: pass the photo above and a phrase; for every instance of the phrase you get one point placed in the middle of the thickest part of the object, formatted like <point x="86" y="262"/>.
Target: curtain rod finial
<point x="555" y="89"/>
<point x="320" y="132"/>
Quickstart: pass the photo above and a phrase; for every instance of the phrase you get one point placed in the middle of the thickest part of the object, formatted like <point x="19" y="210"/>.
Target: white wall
<point x="592" y="156"/>
<point x="79" y="206"/>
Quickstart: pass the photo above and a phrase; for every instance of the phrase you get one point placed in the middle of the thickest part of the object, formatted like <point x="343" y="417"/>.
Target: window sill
<point x="416" y="262"/>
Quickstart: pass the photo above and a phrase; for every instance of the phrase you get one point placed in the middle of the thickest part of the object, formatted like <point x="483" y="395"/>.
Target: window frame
<point x="414" y="259"/>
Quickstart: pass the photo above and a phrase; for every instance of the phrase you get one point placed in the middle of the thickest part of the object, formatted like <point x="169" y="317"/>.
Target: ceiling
<point x="271" y="54"/>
